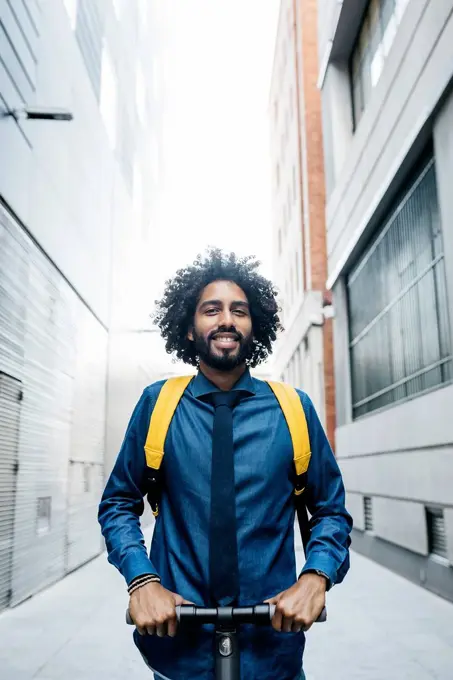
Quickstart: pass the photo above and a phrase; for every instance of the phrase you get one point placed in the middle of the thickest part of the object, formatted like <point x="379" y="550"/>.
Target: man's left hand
<point x="299" y="607"/>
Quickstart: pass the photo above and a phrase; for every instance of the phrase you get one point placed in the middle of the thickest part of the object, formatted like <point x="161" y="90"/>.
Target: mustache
<point x="225" y="329"/>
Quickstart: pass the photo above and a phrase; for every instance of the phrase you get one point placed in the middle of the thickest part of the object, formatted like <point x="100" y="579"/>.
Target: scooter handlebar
<point x="259" y="614"/>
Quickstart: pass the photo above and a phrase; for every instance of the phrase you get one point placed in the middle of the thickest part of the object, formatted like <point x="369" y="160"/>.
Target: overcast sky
<point x="217" y="64"/>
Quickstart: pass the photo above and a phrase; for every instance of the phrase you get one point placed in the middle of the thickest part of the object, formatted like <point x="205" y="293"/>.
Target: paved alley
<point x="381" y="627"/>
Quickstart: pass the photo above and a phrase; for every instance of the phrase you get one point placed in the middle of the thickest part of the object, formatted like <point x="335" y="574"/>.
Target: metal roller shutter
<point x="49" y="342"/>
<point x="10" y="398"/>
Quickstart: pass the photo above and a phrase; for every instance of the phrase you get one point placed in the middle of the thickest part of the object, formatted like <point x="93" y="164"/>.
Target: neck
<point x="224" y="380"/>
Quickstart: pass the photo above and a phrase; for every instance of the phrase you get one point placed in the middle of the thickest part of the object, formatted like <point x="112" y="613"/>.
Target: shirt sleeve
<point x="331" y="525"/>
<point x="122" y="501"/>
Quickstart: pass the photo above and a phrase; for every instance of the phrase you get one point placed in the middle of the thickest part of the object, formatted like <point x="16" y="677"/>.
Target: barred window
<point x="398" y="320"/>
<point x="373" y="45"/>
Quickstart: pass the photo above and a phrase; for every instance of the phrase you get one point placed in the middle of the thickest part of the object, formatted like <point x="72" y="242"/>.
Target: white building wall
<point x="402" y="456"/>
<point x="77" y="202"/>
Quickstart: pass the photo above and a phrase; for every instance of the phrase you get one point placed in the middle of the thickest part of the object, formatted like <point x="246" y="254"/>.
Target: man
<point x="221" y="316"/>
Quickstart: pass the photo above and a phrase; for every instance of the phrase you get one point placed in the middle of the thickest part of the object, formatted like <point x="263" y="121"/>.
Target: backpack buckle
<point x="300" y="484"/>
<point x="153" y="480"/>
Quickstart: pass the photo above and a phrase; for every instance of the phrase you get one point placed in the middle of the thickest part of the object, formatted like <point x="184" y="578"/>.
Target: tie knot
<point x="229" y="399"/>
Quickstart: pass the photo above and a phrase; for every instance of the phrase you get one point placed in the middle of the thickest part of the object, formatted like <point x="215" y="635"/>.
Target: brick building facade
<point x="304" y="355"/>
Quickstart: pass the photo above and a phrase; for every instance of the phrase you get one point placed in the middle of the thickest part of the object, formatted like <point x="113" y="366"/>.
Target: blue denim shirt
<point x="263" y="459"/>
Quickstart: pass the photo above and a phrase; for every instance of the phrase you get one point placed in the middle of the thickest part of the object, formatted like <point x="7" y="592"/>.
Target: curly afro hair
<point x="176" y="310"/>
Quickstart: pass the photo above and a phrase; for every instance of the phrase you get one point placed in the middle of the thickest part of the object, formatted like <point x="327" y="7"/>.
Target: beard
<point x="225" y="360"/>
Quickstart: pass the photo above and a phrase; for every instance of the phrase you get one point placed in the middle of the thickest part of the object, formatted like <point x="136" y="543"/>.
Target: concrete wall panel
<point x="424" y="475"/>
<point x="419" y="423"/>
<point x="401" y="522"/>
<point x="354" y="505"/>
<point x="415" y="76"/>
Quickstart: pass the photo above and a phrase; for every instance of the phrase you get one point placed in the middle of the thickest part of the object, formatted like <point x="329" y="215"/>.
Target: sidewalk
<point x="381" y="627"/>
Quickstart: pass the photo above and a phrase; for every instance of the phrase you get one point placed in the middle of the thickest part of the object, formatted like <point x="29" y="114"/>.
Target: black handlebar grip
<point x="322" y="617"/>
<point x="206" y="615"/>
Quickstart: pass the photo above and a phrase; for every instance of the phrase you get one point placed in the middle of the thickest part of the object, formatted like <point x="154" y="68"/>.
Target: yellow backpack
<point x="163" y="412"/>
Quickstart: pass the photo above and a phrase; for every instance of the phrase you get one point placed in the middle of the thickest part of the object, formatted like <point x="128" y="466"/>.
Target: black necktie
<point x="223" y="550"/>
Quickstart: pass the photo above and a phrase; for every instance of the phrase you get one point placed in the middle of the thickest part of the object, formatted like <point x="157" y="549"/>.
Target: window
<point x="398" y="320"/>
<point x="373" y="45"/>
<point x="437" y="537"/>
<point x="43" y="514"/>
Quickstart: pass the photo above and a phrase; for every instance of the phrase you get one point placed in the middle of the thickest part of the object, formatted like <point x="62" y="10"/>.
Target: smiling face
<point x="222" y="328"/>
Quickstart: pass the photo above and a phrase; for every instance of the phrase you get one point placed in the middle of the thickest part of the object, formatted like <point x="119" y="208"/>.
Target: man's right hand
<point x="153" y="610"/>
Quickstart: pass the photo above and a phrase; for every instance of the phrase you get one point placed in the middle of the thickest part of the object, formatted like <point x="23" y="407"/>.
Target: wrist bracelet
<point x="142" y="581"/>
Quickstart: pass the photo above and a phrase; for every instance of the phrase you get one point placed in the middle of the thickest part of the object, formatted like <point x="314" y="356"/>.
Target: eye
<point x="212" y="310"/>
<point x="240" y="312"/>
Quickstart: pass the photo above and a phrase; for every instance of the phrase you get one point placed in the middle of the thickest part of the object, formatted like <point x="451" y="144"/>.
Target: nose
<point x="227" y="318"/>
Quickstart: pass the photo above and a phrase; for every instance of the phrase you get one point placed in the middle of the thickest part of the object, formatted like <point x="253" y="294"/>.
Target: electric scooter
<point x="226" y="621"/>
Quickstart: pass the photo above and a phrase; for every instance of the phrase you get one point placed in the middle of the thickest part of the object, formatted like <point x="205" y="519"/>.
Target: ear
<point x="190" y="334"/>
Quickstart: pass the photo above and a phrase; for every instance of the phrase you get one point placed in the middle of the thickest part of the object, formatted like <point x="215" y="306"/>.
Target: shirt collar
<point x="201" y="386"/>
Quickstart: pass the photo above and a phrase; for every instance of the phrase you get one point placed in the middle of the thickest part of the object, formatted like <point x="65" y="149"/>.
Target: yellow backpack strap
<point x="293" y="411"/>
<point x="164" y="409"/>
